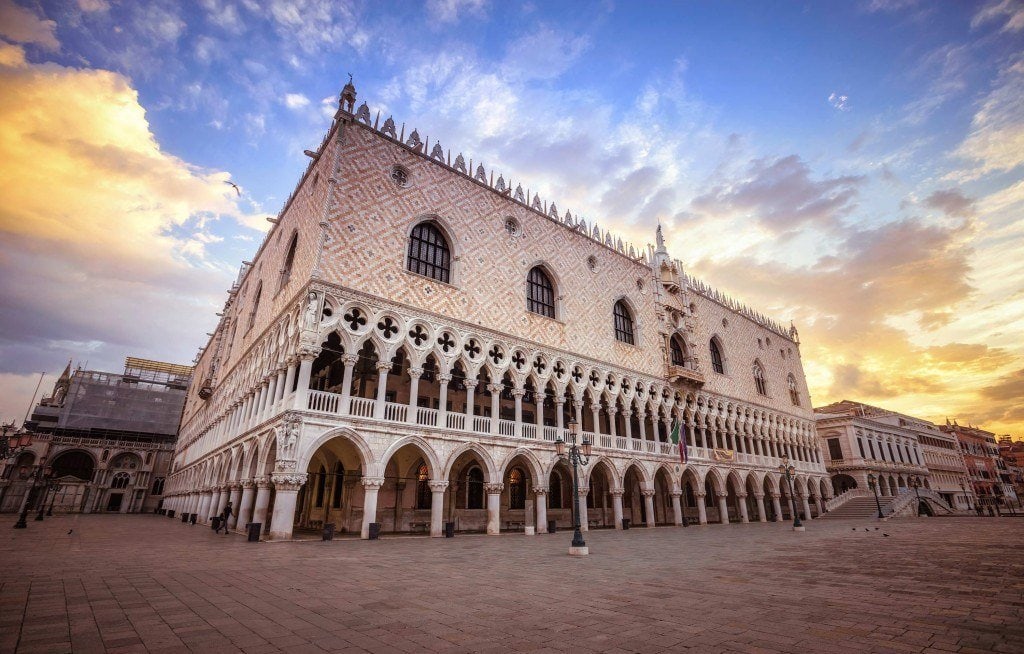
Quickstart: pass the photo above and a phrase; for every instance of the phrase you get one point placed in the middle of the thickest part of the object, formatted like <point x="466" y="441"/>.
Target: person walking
<point x="224" y="515"/>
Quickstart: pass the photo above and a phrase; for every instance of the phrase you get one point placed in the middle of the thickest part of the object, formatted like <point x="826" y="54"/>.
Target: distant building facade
<point x="106" y="438"/>
<point x="1012" y="454"/>
<point x="859" y="439"/>
<point x="984" y="466"/>
<point x="413" y="336"/>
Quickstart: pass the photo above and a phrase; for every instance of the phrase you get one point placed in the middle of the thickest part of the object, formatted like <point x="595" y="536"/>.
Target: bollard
<point x="328" y="531"/>
<point x="191" y="518"/>
<point x="170" y="514"/>
<point x="184" y="517"/>
<point x="625" y="523"/>
<point x="552" y="526"/>
<point x="215" y="523"/>
<point x="374" y="530"/>
<point x="449" y="530"/>
<point x="253" y="529"/>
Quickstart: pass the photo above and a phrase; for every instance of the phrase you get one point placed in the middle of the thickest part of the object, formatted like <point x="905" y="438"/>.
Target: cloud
<point x="951" y="202"/>
<point x="449" y="11"/>
<point x="296" y="101"/>
<point x="102" y="233"/>
<point x="996" y="140"/>
<point x="22" y="25"/>
<point x="780" y="194"/>
<point x="838" y="101"/>
<point x="1010" y="11"/>
<point x="313" y="26"/>
<point x="92" y="6"/>
<point x="543" y="54"/>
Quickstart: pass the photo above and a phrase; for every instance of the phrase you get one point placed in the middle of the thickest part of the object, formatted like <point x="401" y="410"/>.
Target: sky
<point x="855" y="167"/>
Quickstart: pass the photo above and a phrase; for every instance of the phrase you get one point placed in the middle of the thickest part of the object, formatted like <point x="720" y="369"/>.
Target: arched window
<point x="422" y="487"/>
<point x="289" y="260"/>
<point x="255" y="305"/>
<point x="516" y="489"/>
<point x="475" y="488"/>
<point x="762" y="387"/>
<point x="716" y="358"/>
<point x="158" y="486"/>
<point x="623" y="323"/>
<point x="540" y="293"/>
<point x="677" y="352"/>
<point x="429" y="254"/>
<point x="794" y="394"/>
<point x="120" y="480"/>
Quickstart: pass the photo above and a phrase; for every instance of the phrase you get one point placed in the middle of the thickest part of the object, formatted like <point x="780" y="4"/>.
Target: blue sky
<point x="853" y="166"/>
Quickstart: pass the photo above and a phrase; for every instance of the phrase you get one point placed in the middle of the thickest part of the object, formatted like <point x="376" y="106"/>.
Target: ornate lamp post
<point x="31" y="496"/>
<point x="578" y="455"/>
<point x="13" y="444"/>
<point x="873" y="484"/>
<point x="788" y="471"/>
<point x="915" y="483"/>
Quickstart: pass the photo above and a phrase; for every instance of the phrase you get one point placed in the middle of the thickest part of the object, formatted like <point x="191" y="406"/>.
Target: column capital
<point x="233" y="486"/>
<point x="582" y="491"/>
<point x="372" y="483"/>
<point x="759" y="496"/>
<point x="560" y="400"/>
<point x="438" y="486"/>
<point x="494" y="489"/>
<point x="247" y="483"/>
<point x="350" y="359"/>
<point x="775" y="496"/>
<point x="383" y="365"/>
<point x="262" y="482"/>
<point x="494" y="388"/>
<point x="444" y="378"/>
<point x="721" y="494"/>
<point x="518" y="392"/>
<point x="617" y="492"/>
<point x="675" y="493"/>
<point x="540" y="490"/>
<point x="289" y="481"/>
<point x="701" y="494"/>
<point x="415" y="373"/>
<point x="742" y="496"/>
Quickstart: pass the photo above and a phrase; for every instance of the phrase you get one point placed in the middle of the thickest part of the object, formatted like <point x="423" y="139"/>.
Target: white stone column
<point x="349" y="361"/>
<point x="541" y="495"/>
<point x="383" y="368"/>
<point x="538" y="397"/>
<point x="761" y="517"/>
<point x="595" y="412"/>
<point x="259" y="507"/>
<point x="289" y="378"/>
<point x="470" y="394"/>
<point x="225" y="497"/>
<point x="807" y="507"/>
<point x="302" y="386"/>
<point x="268" y="410"/>
<point x="702" y="511"/>
<point x="244" y="515"/>
<point x="414" y="395"/>
<point x="495" y="390"/>
<point x="612" y="430"/>
<point x="236" y="500"/>
<point x="559" y="418"/>
<point x="741" y="500"/>
<point x="517" y="395"/>
<point x="584" y="519"/>
<point x="648" y="494"/>
<point x="437" y="489"/>
<point x="777" y="506"/>
<point x="203" y="514"/>
<point x="677" y="508"/>
<point x="626" y="415"/>
<point x="442" y="406"/>
<point x="286" y="490"/>
<point x="641" y="417"/>
<point x="493" y="507"/>
<point x="371" y="487"/>
<point x="213" y="508"/>
<point x="616" y="494"/>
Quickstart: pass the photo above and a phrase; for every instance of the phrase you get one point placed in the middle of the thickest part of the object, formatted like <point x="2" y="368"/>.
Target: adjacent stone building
<point x="106" y="438"/>
<point x="415" y="332"/>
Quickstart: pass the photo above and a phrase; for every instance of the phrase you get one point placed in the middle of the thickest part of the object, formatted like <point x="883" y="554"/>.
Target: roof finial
<point x="660" y="238"/>
<point x="348" y="95"/>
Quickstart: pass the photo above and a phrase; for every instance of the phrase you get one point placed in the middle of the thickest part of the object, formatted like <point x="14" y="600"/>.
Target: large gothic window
<point x="623" y="323"/>
<point x="716" y="358"/>
<point x="120" y="480"/>
<point x="762" y="387"/>
<point x="289" y="260"/>
<point x="516" y="489"/>
<point x="794" y="394"/>
<point x="540" y="293"/>
<point x="429" y="254"/>
<point x="475" y="488"/>
<point x="678" y="355"/>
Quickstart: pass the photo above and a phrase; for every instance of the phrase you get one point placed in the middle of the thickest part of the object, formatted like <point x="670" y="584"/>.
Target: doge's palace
<point x="414" y="334"/>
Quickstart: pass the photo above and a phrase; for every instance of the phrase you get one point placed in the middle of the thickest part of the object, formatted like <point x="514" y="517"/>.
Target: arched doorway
<point x="332" y="492"/>
<point x="74" y="470"/>
<point x="842" y="483"/>
<point x="600" y="506"/>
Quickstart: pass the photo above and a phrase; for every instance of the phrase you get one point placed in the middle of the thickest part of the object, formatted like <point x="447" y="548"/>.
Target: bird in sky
<point x="234" y="186"/>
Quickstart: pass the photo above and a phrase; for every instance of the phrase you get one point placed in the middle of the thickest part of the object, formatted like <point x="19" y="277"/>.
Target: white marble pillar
<point x="595" y="412"/>
<point x="442" y="404"/>
<point x="702" y="511"/>
<point x="225" y="497"/>
<point x="244" y="515"/>
<point x="349" y="361"/>
<point x="616" y="494"/>
<point x="291" y="367"/>
<point x="777" y="506"/>
<point x="741" y="501"/>
<point x="414" y="395"/>
<point x="517" y="395"/>
<point x="383" y="368"/>
<point x="541" y="493"/>
<point x="371" y="488"/>
<point x="493" y="507"/>
<point x="806" y="507"/>
<point x="262" y="502"/>
<point x="437" y="489"/>
<point x="677" y="508"/>
<point x="584" y="519"/>
<point x="641" y="418"/>
<point x="235" y="500"/>
<point x="286" y="490"/>
<point x="648" y="494"/>
<point x="495" y="390"/>
<point x="761" y="517"/>
<point x="302" y="385"/>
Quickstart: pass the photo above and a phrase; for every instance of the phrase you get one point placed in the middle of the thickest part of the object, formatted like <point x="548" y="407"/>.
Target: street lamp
<point x="14" y="444"/>
<point x="915" y="483"/>
<point x="31" y="495"/>
<point x="578" y="455"/>
<point x="873" y="485"/>
<point x="789" y="471"/>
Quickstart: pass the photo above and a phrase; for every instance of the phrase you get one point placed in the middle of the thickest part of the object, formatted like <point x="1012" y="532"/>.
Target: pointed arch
<point x="417" y="442"/>
<point x="485" y="458"/>
<point x="368" y="460"/>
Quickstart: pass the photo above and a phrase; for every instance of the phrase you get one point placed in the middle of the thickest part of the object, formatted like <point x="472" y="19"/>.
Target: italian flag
<point x="681" y="442"/>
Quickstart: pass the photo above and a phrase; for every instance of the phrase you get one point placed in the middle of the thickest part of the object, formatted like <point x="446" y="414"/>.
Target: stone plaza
<point x="94" y="583"/>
